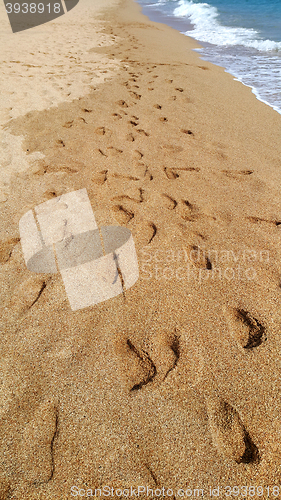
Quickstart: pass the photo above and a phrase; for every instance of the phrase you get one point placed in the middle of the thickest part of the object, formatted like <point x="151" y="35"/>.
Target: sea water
<point x="243" y="36"/>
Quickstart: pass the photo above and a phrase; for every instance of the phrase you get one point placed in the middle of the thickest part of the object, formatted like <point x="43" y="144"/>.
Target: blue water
<point x="243" y="36"/>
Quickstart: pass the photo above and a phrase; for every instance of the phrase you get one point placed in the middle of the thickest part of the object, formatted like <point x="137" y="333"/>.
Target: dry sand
<point x="174" y="384"/>
<point x="45" y="66"/>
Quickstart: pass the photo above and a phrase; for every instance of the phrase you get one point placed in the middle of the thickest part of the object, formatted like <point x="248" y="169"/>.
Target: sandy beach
<point x="173" y="384"/>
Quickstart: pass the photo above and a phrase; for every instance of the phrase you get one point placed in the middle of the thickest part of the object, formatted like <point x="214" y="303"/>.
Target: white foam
<point x="257" y="70"/>
<point x="207" y="28"/>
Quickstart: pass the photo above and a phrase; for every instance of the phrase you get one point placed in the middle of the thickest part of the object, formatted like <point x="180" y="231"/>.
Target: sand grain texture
<point x="176" y="382"/>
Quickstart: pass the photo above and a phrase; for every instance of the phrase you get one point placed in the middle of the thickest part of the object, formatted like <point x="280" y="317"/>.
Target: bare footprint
<point x="246" y="329"/>
<point x="122" y="103"/>
<point x="114" y="151"/>
<point x="165" y="351"/>
<point x="68" y="124"/>
<point x="228" y="433"/>
<point x="128" y="177"/>
<point x="198" y="258"/>
<point x="27" y="295"/>
<point x="137" y="367"/>
<point x="123" y="215"/>
<point x="130" y="138"/>
<point x="188" y="211"/>
<point x="237" y="174"/>
<point x="101" y="130"/>
<point x="171" y="173"/>
<point x="137" y="155"/>
<point x="135" y="95"/>
<point x="169" y="202"/>
<point x="257" y="220"/>
<point x="100" y="177"/>
<point x="144" y="233"/>
<point x="38" y="442"/>
<point x="6" y="249"/>
<point x="137" y="199"/>
<point x="187" y="131"/>
<point x="142" y="132"/>
<point x="173" y="148"/>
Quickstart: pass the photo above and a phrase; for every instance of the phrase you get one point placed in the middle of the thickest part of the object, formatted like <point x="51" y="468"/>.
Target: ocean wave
<point x="207" y="28"/>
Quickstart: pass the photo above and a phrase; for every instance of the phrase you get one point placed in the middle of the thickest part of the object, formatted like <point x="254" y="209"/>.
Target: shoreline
<point x="184" y="26"/>
<point x="175" y="382"/>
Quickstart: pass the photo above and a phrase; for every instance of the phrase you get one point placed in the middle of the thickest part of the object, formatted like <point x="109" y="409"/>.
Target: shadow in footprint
<point x="169" y="202"/>
<point x="123" y="215"/>
<point x="188" y="211"/>
<point x="147" y="365"/>
<point x="228" y="432"/>
<point x="250" y="332"/>
<point x="100" y="177"/>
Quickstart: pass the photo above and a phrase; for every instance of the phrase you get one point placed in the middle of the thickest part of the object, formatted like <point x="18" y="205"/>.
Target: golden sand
<point x="175" y="383"/>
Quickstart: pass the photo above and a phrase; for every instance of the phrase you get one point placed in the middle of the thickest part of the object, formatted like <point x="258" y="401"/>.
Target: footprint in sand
<point x="68" y="124"/>
<point x="6" y="249"/>
<point x="137" y="155"/>
<point x="228" y="432"/>
<point x="188" y="211"/>
<point x="137" y="199"/>
<point x="135" y="95"/>
<point x="142" y="132"/>
<point x="27" y="296"/>
<point x="171" y="173"/>
<point x="258" y="220"/>
<point x="187" y="131"/>
<point x="169" y="202"/>
<point x="123" y="215"/>
<point x="128" y="177"/>
<point x="148" y="174"/>
<point x="134" y="121"/>
<point x="122" y="103"/>
<point x="102" y="131"/>
<point x="130" y="138"/>
<point x="112" y="151"/>
<point x="247" y="330"/>
<point x="100" y="177"/>
<point x="145" y="365"/>
<point x="144" y="233"/>
<point x="199" y="258"/>
<point x="38" y="444"/>
<point x="236" y="174"/>
<point x="174" y="172"/>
